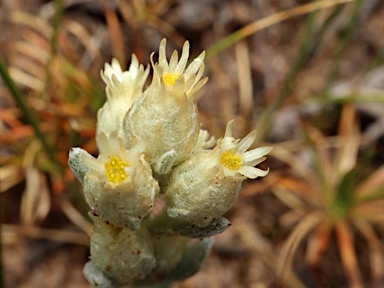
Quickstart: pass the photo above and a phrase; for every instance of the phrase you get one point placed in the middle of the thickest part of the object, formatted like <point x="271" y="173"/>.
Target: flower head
<point x="118" y="185"/>
<point x="115" y="165"/>
<point x="176" y="78"/>
<point x="125" y="84"/>
<point x="123" y="88"/>
<point x="165" y="115"/>
<point x="205" y="186"/>
<point x="235" y="159"/>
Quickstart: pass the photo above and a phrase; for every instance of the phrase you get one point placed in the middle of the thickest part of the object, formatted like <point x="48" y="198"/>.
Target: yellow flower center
<point x="115" y="170"/>
<point x="231" y="160"/>
<point x="171" y="78"/>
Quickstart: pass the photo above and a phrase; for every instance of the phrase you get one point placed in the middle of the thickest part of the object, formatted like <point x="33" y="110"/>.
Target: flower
<point x="235" y="159"/>
<point x="123" y="88"/>
<point x="205" y="186"/>
<point x="173" y="74"/>
<point x="124" y="84"/>
<point x="118" y="185"/>
<point x="165" y="115"/>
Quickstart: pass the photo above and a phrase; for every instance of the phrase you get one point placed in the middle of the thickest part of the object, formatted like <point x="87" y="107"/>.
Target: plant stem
<point x="58" y="4"/>
<point x="269" y="21"/>
<point x="1" y="249"/>
<point x="18" y="97"/>
<point x="342" y="48"/>
<point x="302" y="56"/>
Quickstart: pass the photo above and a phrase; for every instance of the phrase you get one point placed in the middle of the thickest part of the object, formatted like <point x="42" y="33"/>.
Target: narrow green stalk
<point x="258" y="25"/>
<point x="339" y="56"/>
<point x="1" y="249"/>
<point x="58" y="4"/>
<point x="18" y="97"/>
<point x="302" y="56"/>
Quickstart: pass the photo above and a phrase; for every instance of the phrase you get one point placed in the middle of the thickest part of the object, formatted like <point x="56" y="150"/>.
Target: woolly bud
<point x="123" y="88"/>
<point x="204" y="187"/>
<point x="121" y="254"/>
<point x="119" y="186"/>
<point x="166" y="114"/>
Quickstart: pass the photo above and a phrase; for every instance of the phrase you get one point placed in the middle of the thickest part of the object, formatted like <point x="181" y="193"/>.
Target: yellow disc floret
<point x="171" y="78"/>
<point x="115" y="171"/>
<point x="231" y="160"/>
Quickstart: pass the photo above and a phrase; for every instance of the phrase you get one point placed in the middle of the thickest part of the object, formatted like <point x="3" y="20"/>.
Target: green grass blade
<point x="58" y="4"/>
<point x="301" y="57"/>
<point x="346" y="39"/>
<point x="28" y="114"/>
<point x="269" y="21"/>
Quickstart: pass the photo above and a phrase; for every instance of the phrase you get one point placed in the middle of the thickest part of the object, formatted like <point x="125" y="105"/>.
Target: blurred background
<point x="308" y="75"/>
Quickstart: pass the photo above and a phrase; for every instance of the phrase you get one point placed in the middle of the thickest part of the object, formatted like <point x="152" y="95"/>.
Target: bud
<point x="204" y="187"/>
<point x="166" y="114"/>
<point x="122" y="89"/>
<point x="121" y="254"/>
<point x="119" y="186"/>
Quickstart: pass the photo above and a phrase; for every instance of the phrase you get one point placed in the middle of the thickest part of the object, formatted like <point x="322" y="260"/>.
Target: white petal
<point x="134" y="67"/>
<point x="162" y="54"/>
<point x="116" y="66"/>
<point x="114" y="145"/>
<point x="226" y="143"/>
<point x="246" y="142"/>
<point x="91" y="162"/>
<point x="228" y="130"/>
<point x="196" y="64"/>
<point x="197" y="86"/>
<point x="173" y="61"/>
<point x="103" y="143"/>
<point x="252" y="172"/>
<point x="256" y="153"/>
<point x="122" y="149"/>
<point x="184" y="58"/>
<point x="255" y="162"/>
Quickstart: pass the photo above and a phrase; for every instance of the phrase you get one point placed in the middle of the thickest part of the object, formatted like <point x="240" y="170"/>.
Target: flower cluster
<point x="152" y="148"/>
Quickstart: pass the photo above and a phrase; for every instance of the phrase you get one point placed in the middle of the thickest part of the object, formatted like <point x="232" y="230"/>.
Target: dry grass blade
<point x="347" y="252"/>
<point x="39" y="55"/>
<point x="28" y="66"/>
<point x="323" y="163"/>
<point x="11" y="233"/>
<point x="74" y="215"/>
<point x="86" y="40"/>
<point x="167" y="29"/>
<point x="375" y="249"/>
<point x="245" y="85"/>
<point x="115" y="32"/>
<point x="32" y="21"/>
<point x="26" y="79"/>
<point x="262" y="248"/>
<point x="374" y="181"/>
<point x="301" y="188"/>
<point x="35" y="202"/>
<point x="350" y="141"/>
<point x="298" y="165"/>
<point x="269" y="21"/>
<point x="371" y="211"/>
<point x="317" y="243"/>
<point x="10" y="175"/>
<point x="289" y="199"/>
<point x="301" y="230"/>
